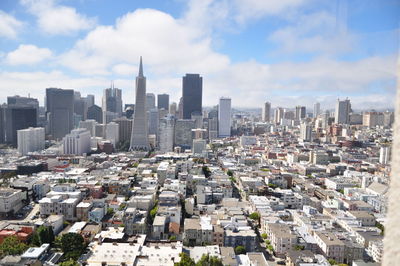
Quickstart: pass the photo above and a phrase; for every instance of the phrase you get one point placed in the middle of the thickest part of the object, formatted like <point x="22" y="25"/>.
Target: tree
<point x="110" y="211"/>
<point x="207" y="260"/>
<point x="12" y="246"/>
<point x="230" y="173"/>
<point x="240" y="250"/>
<point x="255" y="216"/>
<point x="186" y="260"/>
<point x="69" y="262"/>
<point x="206" y="171"/>
<point x="264" y="235"/>
<point x="46" y="234"/>
<point x="72" y="245"/>
<point x="172" y="238"/>
<point x="299" y="247"/>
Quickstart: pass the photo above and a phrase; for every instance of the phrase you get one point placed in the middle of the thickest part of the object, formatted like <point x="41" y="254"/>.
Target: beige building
<point x="281" y="237"/>
<point x="10" y="201"/>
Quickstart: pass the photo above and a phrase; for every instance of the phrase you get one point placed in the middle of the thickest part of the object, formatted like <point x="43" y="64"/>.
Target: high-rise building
<point x="59" y="111"/>
<point x="192" y="95"/>
<point x="30" y="140"/>
<point x="77" y="142"/>
<point x="150" y="101"/>
<point x="140" y="138"/>
<point x="300" y="112"/>
<point x="112" y="133"/>
<point x="183" y="133"/>
<point x="173" y="109"/>
<point x="212" y="128"/>
<point x="163" y="101"/>
<point x="388" y="118"/>
<point x="112" y="103"/>
<point x="224" y="117"/>
<point x="16" y="118"/>
<point x="80" y="106"/>
<point x="19" y="101"/>
<point x="317" y="109"/>
<point x="153" y="118"/>
<point x="89" y="100"/>
<point x="125" y="128"/>
<point x="198" y="118"/>
<point x="305" y="132"/>
<point x="342" y="111"/>
<point x="180" y="108"/>
<point x="199" y="147"/>
<point x="166" y="134"/>
<point x="266" y="112"/>
<point x="89" y="125"/>
<point x="278" y="115"/>
<point x="373" y="119"/>
<point x="96" y="113"/>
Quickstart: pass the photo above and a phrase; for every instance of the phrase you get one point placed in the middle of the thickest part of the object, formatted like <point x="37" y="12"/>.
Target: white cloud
<point x="27" y="54"/>
<point x="166" y="44"/>
<point x="312" y="33"/>
<point x="125" y="69"/>
<point x="57" y="19"/>
<point x="9" y="25"/>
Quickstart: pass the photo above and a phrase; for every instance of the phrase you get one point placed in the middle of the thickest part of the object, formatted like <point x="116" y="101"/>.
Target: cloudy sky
<point x="288" y="52"/>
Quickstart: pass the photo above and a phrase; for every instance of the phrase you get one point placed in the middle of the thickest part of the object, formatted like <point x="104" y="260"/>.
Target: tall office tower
<point x="59" y="111"/>
<point x="199" y="147"/>
<point x="16" y="118"/>
<point x="153" y="118"/>
<point x="166" y="134"/>
<point x="150" y="101"/>
<point x="100" y="130"/>
<point x="89" y="100"/>
<point x="140" y="138"/>
<point x="24" y="101"/>
<point x="224" y="117"/>
<point x="266" y="112"/>
<point x="173" y="109"/>
<point x="192" y="95"/>
<point x="278" y="115"/>
<point x="183" y="133"/>
<point x="198" y="118"/>
<point x="30" y="140"/>
<point x="342" y="111"/>
<point x="373" y="119"/>
<point x="77" y="142"/>
<point x="80" y="106"/>
<point x="89" y="125"/>
<point x="163" y="101"/>
<point x="112" y="103"/>
<point x="305" y="132"/>
<point x="300" y="112"/>
<point x="213" y="128"/>
<point x="96" y="113"/>
<point x="317" y="109"/>
<point x="125" y="129"/>
<point x="2" y="123"/>
<point x="112" y="133"/>
<point x="385" y="154"/>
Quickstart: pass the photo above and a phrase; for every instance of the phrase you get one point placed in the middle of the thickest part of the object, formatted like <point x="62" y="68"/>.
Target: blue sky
<point x="288" y="52"/>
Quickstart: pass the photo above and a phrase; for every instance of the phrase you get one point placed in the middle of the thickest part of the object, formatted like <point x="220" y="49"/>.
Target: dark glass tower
<point x="163" y="101"/>
<point x="60" y="111"/>
<point x="192" y="94"/>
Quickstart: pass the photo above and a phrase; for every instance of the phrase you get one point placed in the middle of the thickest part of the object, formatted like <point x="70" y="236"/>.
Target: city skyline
<point x="320" y="45"/>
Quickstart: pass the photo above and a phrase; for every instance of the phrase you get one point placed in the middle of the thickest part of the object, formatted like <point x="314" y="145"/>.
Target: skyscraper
<point x="342" y="111"/>
<point x="139" y="138"/>
<point x="224" y="117"/>
<point x="16" y="118"/>
<point x="317" y="109"/>
<point x="266" y="112"/>
<point x="278" y="115"/>
<point x="150" y="101"/>
<point x="60" y="111"/>
<point x="112" y="103"/>
<point x="95" y="112"/>
<point x="30" y="140"/>
<point x="192" y="94"/>
<point x="173" y="109"/>
<point x="166" y="133"/>
<point x="77" y="142"/>
<point x="183" y="133"/>
<point x="300" y="112"/>
<point x="163" y="101"/>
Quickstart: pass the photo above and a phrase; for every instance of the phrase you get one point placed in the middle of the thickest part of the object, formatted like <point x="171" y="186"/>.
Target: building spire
<point x="140" y="67"/>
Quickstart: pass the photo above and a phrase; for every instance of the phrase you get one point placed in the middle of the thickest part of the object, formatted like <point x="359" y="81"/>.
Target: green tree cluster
<point x="12" y="246"/>
<point x="240" y="250"/>
<point x="42" y="235"/>
<point x="206" y="260"/>
<point x="254" y="216"/>
<point x="72" y="245"/>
